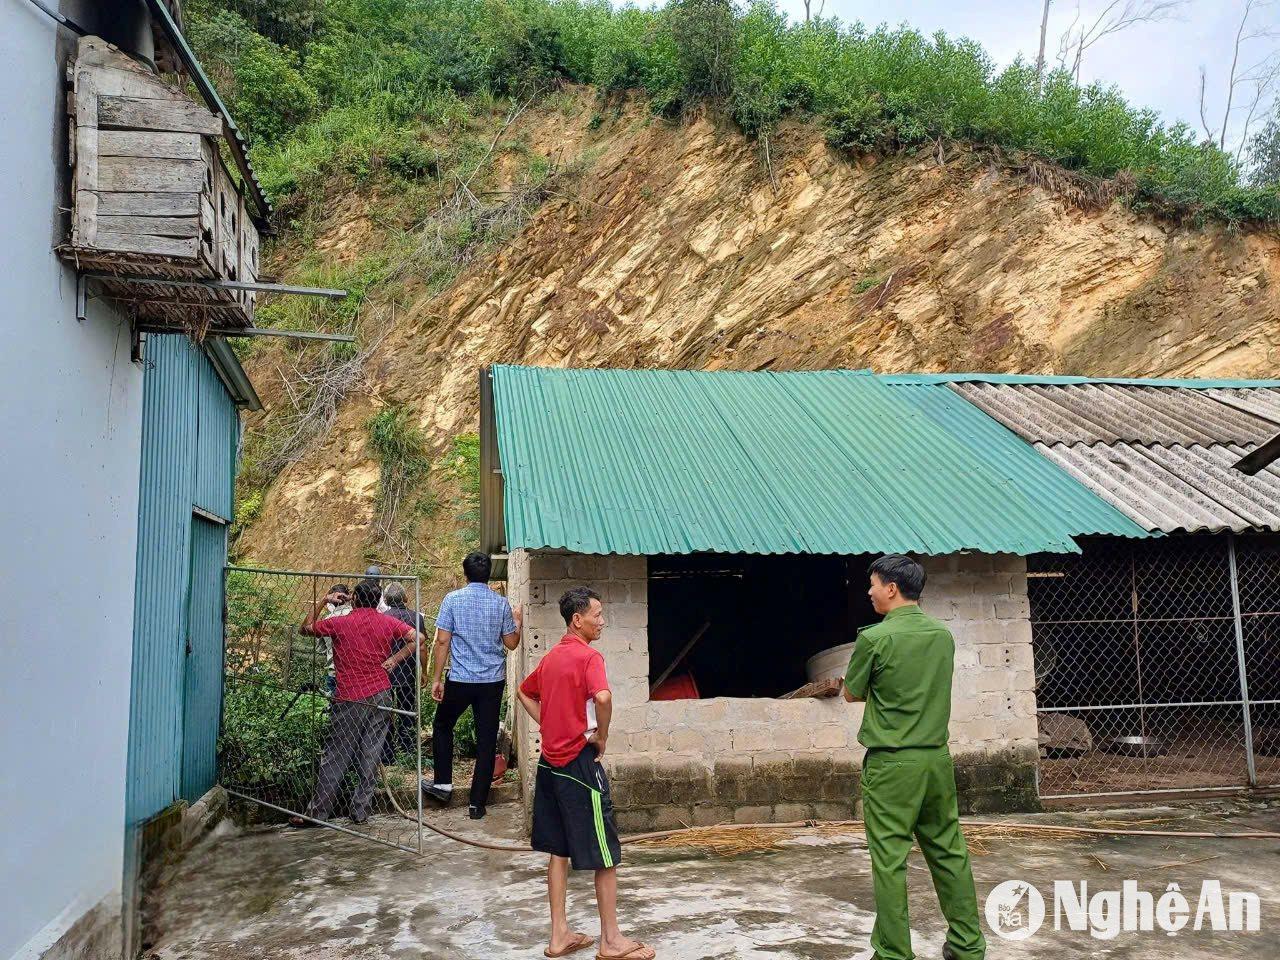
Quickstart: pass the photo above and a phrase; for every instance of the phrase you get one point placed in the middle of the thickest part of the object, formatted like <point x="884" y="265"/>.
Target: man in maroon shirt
<point x="572" y="810"/>
<point x="360" y="713"/>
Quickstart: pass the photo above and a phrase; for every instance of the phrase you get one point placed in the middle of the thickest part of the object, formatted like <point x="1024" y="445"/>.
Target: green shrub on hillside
<point x="367" y="74"/>
<point x="464" y="466"/>
<point x="259" y="78"/>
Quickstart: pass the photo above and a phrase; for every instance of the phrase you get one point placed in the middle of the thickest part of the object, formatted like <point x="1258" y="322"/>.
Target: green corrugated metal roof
<point x="668" y="462"/>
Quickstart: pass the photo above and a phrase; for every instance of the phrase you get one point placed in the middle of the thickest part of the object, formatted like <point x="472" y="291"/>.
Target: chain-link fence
<point x="1156" y="665"/>
<point x="327" y="732"/>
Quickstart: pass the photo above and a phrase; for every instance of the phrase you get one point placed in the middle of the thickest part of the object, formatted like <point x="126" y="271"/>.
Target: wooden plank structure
<point x="152" y="197"/>
<point x="818" y="689"/>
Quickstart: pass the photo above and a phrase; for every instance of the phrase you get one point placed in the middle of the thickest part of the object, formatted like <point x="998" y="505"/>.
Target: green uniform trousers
<point x="906" y="793"/>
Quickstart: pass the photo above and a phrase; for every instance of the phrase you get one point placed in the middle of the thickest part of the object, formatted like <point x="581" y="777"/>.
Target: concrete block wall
<point x="983" y="600"/>
<point x="754" y="760"/>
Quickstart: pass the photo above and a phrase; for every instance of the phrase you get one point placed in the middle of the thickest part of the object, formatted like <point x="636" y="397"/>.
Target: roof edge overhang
<point x="235" y="139"/>
<point x="232" y="374"/>
<point x="907" y="379"/>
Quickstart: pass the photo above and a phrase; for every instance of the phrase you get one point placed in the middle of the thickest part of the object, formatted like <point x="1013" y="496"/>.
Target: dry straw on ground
<point x="727" y="840"/>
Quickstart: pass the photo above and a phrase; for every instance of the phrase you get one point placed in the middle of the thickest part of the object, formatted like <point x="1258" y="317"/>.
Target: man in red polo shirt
<point x="359" y="716"/>
<point x="572" y="810"/>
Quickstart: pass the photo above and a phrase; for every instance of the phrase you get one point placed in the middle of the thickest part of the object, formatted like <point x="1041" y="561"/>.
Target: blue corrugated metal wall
<point x="189" y="435"/>
<point x="202" y="701"/>
<point x="219" y="431"/>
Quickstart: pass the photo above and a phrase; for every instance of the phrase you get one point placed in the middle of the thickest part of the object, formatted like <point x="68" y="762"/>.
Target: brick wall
<point x="763" y="760"/>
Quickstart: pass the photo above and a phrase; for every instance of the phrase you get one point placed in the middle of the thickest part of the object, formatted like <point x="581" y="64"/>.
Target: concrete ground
<point x="317" y="894"/>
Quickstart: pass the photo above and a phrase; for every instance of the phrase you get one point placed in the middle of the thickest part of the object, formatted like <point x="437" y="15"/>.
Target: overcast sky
<point x="1155" y="65"/>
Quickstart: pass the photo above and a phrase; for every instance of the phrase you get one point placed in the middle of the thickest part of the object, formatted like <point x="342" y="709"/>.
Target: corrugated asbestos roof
<point x="1024" y="379"/>
<point x="670" y="462"/>
<point x="1176" y="488"/>
<point x="1163" y="455"/>
<point x="1262" y="403"/>
<point x="1106" y="413"/>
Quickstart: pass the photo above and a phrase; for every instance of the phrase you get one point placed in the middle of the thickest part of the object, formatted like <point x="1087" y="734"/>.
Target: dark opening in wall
<point x="765" y="616"/>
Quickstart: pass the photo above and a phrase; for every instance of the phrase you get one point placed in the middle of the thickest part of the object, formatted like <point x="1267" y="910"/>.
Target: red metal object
<point x="680" y="687"/>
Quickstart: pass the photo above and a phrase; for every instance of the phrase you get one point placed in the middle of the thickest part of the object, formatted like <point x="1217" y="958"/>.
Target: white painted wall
<point x="69" y="461"/>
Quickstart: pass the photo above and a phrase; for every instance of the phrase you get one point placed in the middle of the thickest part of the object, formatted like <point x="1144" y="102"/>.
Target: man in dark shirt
<point x="901" y="668"/>
<point x="404" y="678"/>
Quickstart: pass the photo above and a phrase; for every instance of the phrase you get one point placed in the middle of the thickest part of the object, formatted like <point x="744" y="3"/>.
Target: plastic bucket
<point x="832" y="662"/>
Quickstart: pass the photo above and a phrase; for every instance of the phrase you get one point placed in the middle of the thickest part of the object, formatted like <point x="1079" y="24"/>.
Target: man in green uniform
<point x="901" y="668"/>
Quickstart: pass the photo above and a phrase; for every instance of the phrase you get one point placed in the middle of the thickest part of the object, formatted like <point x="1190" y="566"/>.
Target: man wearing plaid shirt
<point x="474" y="630"/>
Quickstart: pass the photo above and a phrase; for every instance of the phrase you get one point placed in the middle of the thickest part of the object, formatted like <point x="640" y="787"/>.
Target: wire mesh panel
<point x="1258" y="565"/>
<point x="328" y="730"/>
<point x="1138" y="668"/>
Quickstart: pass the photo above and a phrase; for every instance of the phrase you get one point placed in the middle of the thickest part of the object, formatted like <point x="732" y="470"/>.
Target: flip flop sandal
<point x="574" y="946"/>
<point x="299" y="823"/>
<point x="639" y="952"/>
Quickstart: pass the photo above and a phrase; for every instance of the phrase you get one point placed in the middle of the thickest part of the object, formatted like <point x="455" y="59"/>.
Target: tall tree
<point x="1252" y="78"/>
<point x="1264" y="154"/>
<point x="1044" y="34"/>
<point x="705" y="32"/>
<point x="1116" y="16"/>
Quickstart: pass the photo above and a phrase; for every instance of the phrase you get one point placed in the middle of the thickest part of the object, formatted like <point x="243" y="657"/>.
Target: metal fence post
<point x="1244" y="678"/>
<point x="417" y="696"/>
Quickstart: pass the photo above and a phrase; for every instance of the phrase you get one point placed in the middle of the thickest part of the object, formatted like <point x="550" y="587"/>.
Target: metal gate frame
<point x="286" y="685"/>
<point x="1245" y="703"/>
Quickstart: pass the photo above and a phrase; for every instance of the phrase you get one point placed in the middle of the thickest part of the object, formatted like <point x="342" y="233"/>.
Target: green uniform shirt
<point x="902" y="667"/>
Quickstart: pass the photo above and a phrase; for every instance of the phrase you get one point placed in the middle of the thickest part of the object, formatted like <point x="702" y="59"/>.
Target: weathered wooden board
<point x="153" y="226"/>
<point x="248" y="256"/>
<point x="149" y="175"/>
<point x="208" y="229"/>
<point x="147" y="204"/>
<point x="149" y="143"/>
<point x="94" y="51"/>
<point x="179" y="116"/>
<point x="147" y="245"/>
<point x="85" y="100"/>
<point x="126" y="82"/>
<point x="227" y="201"/>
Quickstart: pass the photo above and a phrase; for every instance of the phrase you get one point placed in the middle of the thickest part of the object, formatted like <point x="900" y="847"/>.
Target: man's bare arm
<point x="531" y="706"/>
<point x="849" y="697"/>
<point x="404" y="653"/>
<point x="443" y="638"/>
<point x="604" y="713"/>
<point x="309" y="622"/>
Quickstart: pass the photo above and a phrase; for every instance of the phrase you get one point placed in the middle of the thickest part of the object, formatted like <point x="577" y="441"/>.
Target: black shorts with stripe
<point x="573" y="813"/>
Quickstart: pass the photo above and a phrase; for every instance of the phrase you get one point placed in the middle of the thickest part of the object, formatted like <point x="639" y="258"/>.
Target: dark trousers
<point x="402" y="737"/>
<point x="484" y="699"/>
<point x="357" y="729"/>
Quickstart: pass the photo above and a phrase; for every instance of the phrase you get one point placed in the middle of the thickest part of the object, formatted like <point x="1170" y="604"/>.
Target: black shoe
<point x="947" y="952"/>
<point x="359" y="821"/>
<point x="436" y="793"/>
<point x="475" y="812"/>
